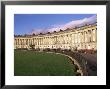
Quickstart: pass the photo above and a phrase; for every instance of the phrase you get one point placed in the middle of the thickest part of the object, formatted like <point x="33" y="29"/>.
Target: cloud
<point x="71" y="24"/>
<point x="80" y="22"/>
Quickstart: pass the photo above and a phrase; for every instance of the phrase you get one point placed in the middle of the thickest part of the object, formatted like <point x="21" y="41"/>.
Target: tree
<point x="33" y="34"/>
<point x="40" y="33"/>
<point x="48" y="32"/>
<point x="68" y="29"/>
<point x="61" y="30"/>
<point x="15" y="35"/>
<point x="25" y="35"/>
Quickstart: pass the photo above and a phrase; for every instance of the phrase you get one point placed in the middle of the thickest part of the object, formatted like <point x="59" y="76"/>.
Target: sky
<point x="43" y="23"/>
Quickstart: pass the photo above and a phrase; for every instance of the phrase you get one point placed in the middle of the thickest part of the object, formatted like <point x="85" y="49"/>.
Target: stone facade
<point x="84" y="37"/>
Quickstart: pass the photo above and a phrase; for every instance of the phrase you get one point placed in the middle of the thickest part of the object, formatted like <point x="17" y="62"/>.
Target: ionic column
<point x="23" y="41"/>
<point x="72" y="38"/>
<point x="19" y="41"/>
<point x="32" y="41"/>
<point x="79" y="37"/>
<point x="76" y="37"/>
<point x="16" y="41"/>
<point x="40" y="41"/>
<point x="95" y="34"/>
<point x="27" y="41"/>
<point x="84" y="37"/>
<point x="36" y="41"/>
<point x="87" y="36"/>
<point x="92" y="35"/>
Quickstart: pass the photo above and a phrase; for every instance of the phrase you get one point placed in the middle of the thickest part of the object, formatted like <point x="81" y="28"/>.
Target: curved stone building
<point x="84" y="37"/>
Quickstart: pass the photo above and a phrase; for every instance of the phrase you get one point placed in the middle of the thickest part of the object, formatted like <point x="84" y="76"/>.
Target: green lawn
<point x="31" y="63"/>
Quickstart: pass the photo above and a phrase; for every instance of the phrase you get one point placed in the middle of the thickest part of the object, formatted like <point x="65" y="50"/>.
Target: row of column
<point x="85" y="36"/>
<point x="79" y="37"/>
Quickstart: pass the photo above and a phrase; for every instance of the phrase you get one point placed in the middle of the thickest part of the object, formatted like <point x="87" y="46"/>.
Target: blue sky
<point x="27" y="23"/>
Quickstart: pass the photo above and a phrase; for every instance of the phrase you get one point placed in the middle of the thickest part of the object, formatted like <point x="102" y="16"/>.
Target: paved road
<point x="91" y="62"/>
<point x="90" y="57"/>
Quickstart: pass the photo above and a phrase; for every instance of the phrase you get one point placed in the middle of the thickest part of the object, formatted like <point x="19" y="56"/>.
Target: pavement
<point x="91" y="63"/>
<point x="90" y="57"/>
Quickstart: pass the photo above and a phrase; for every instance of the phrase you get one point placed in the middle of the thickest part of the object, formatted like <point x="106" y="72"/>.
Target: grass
<point x="31" y="63"/>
